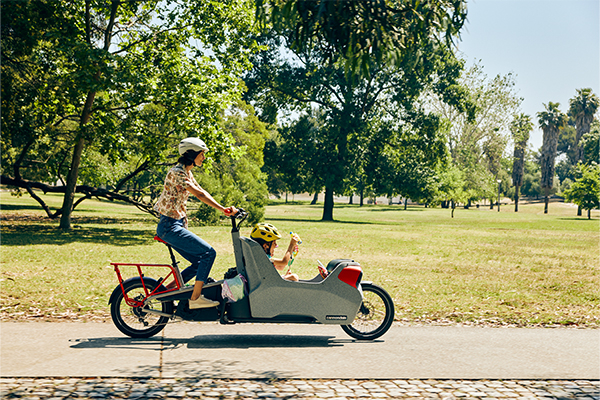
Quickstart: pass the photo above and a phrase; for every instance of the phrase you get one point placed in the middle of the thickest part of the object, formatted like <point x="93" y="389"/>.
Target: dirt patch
<point x="67" y="316"/>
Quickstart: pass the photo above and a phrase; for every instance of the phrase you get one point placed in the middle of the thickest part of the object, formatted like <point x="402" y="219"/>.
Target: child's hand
<point x="296" y="238"/>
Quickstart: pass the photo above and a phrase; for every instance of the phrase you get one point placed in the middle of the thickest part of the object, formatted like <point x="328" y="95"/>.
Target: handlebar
<point x="241" y="215"/>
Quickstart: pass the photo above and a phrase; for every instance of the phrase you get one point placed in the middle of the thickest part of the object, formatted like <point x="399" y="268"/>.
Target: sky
<point x="552" y="46"/>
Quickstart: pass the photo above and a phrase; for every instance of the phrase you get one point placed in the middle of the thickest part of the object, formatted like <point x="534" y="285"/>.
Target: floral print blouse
<point x="172" y="200"/>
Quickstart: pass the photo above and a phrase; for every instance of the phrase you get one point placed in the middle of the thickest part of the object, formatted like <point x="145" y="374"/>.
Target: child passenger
<point x="267" y="235"/>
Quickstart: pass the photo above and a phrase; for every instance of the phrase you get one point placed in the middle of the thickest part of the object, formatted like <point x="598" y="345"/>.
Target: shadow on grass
<point x="33" y="234"/>
<point x="382" y="208"/>
<point x="14" y="207"/>
<point x="288" y="203"/>
<point x="318" y="221"/>
<point x="578" y="219"/>
<point x="365" y="208"/>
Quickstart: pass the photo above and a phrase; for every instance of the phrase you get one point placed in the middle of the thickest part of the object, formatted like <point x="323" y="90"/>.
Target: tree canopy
<point x="363" y="114"/>
<point x="124" y="80"/>
<point x="360" y="35"/>
<point x="479" y="134"/>
<point x="582" y="108"/>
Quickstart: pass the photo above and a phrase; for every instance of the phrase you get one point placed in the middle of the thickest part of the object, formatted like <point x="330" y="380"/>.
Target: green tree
<point x="452" y="184"/>
<point x="582" y="108"/>
<point x="235" y="177"/>
<point x="520" y="128"/>
<point x="117" y="77"/>
<point x="531" y="175"/>
<point x="585" y="191"/>
<point x="550" y="122"/>
<point x="342" y="53"/>
<point x="296" y="153"/>
<point x="478" y="138"/>
<point x="591" y="144"/>
<point x="350" y="105"/>
<point x="566" y="142"/>
<point x="566" y="166"/>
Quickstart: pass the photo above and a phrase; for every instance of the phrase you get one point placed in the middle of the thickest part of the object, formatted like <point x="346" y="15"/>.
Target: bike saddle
<point x="160" y="240"/>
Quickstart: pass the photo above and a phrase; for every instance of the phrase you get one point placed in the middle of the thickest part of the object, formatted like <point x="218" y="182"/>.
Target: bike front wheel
<point x="138" y="322"/>
<point x="375" y="315"/>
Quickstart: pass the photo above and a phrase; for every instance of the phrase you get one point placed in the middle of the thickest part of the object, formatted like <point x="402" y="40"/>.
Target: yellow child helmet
<point x="266" y="232"/>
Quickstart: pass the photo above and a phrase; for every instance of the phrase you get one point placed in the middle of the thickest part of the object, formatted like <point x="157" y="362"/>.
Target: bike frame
<point x="173" y="273"/>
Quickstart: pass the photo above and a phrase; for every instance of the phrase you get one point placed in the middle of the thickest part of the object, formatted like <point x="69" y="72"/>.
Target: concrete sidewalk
<point x="210" y="350"/>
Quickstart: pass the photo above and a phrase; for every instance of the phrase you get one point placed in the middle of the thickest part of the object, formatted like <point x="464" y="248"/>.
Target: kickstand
<point x="224" y="320"/>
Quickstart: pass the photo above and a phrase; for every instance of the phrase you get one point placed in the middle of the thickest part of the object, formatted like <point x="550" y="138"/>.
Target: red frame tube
<point x="134" y="303"/>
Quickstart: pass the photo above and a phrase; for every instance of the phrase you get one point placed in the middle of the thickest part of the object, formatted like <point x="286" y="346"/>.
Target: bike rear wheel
<point x="137" y="322"/>
<point x="375" y="315"/>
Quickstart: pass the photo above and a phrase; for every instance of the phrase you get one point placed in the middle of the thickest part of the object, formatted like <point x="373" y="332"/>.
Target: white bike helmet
<point x="192" y="143"/>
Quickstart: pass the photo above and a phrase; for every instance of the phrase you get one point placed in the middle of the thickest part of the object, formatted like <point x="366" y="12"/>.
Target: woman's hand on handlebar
<point x="229" y="211"/>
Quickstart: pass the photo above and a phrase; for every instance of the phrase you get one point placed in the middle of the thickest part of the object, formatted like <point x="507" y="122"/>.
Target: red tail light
<point x="351" y="275"/>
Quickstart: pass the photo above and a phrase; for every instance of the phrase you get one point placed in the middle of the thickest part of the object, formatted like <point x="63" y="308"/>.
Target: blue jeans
<point x="191" y="247"/>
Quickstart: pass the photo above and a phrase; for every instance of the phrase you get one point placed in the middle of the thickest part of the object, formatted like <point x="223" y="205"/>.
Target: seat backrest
<point x="334" y="263"/>
<point x="259" y="269"/>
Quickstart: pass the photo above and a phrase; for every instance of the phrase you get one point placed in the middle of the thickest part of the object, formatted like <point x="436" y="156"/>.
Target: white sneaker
<point x="202" y="302"/>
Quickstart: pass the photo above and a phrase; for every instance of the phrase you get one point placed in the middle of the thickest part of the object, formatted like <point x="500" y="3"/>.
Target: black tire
<point x="375" y="315"/>
<point x="134" y="321"/>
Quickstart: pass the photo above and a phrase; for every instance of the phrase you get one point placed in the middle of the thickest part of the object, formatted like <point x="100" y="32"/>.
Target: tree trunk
<point x="405" y="201"/>
<point x="546" y="194"/>
<point x="590" y="213"/>
<point x="328" y="206"/>
<point x="67" y="207"/>
<point x="453" y="206"/>
<point x="315" y="199"/>
<point x="516" y="198"/>
<point x="491" y="204"/>
<point x="350" y="201"/>
<point x="579" y="211"/>
<point x="362" y="197"/>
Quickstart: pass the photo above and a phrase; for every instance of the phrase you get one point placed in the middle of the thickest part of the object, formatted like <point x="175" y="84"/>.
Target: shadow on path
<point x="228" y="341"/>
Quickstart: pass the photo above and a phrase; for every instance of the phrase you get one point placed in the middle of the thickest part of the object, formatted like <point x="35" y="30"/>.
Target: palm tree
<point x="550" y="121"/>
<point x="582" y="108"/>
<point x="520" y="128"/>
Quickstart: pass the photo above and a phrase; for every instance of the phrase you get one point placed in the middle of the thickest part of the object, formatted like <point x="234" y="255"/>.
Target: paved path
<point x="210" y="350"/>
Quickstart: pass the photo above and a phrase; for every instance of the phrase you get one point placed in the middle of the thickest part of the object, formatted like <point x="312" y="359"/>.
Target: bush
<point x="237" y="180"/>
<point x="585" y="191"/>
<point x="244" y="187"/>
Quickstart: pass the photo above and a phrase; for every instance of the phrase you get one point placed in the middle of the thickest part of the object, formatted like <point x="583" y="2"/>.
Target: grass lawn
<point x="480" y="267"/>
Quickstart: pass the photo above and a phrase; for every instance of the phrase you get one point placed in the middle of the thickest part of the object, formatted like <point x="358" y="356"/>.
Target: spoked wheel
<point x="375" y="315"/>
<point x="137" y="322"/>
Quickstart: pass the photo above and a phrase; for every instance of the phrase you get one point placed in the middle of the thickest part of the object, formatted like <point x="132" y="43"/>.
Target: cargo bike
<point x="141" y="306"/>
